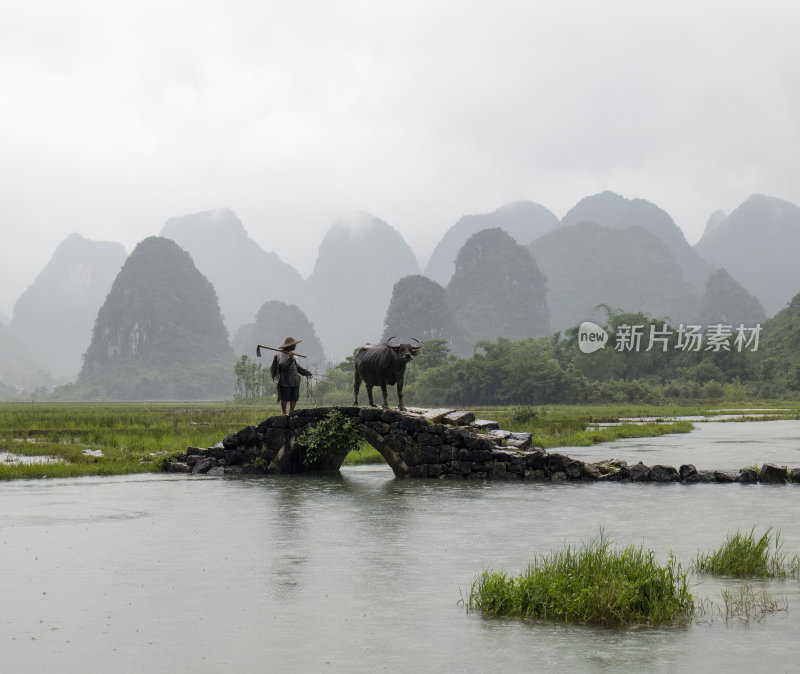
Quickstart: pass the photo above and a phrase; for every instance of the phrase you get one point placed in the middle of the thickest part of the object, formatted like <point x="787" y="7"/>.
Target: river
<point x="364" y="573"/>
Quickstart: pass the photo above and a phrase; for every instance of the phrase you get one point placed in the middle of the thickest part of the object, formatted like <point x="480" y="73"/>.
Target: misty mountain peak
<point x="613" y="210"/>
<point x="522" y="220"/>
<point x="757" y="243"/>
<point x="243" y="274"/>
<point x="360" y="259"/>
<point x="714" y="221"/>
<point x="216" y="222"/>
<point x="356" y="225"/>
<point x="64" y="299"/>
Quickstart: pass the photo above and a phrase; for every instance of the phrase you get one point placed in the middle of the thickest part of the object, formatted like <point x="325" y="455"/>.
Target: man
<point x="286" y="374"/>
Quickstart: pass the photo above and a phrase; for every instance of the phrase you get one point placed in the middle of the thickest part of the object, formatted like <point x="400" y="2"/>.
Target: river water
<point x="363" y="573"/>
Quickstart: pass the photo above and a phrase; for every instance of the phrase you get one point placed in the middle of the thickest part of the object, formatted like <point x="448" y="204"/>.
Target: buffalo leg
<point x="400" y="405"/>
<point x="356" y="386"/>
<point x="369" y="395"/>
<point x="385" y="400"/>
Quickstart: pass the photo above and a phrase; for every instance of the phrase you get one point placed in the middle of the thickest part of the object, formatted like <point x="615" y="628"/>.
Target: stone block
<point x="463" y="467"/>
<point x="281" y="421"/>
<point x="498" y="437"/>
<point x="436" y="416"/>
<point x="370" y="413"/>
<point x="619" y="475"/>
<point x="772" y="474"/>
<point x="659" y="473"/>
<point x="230" y="440"/>
<point x="590" y="471"/>
<point x="640" y="472"/>
<point x="413" y="455"/>
<point x="519" y="440"/>
<point x="203" y="466"/>
<point x="485" y="425"/>
<point x="447" y="453"/>
<point x="413" y="423"/>
<point x="555" y="463"/>
<point x="429" y="454"/>
<point x="534" y="475"/>
<point x="748" y="476"/>
<point x="687" y="470"/>
<point x="425" y="438"/>
<point x="478" y="443"/>
<point x="248" y="436"/>
<point x="391" y="416"/>
<point x="574" y="470"/>
<point x="724" y="476"/>
<point x="178" y="467"/>
<point x="378" y="427"/>
<point x="436" y="470"/>
<point x="459" y="418"/>
<point x="454" y="436"/>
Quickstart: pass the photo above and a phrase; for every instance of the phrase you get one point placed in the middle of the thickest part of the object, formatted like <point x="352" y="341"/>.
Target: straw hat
<point x="289" y="342"/>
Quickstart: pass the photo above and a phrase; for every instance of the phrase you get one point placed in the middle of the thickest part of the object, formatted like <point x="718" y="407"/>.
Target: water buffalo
<point x="383" y="365"/>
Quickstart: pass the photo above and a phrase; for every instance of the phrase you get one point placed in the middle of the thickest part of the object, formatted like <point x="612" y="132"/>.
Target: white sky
<point x="118" y="114"/>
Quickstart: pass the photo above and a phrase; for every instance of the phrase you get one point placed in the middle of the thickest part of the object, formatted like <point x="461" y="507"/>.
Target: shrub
<point x="329" y="441"/>
<point x="524" y="415"/>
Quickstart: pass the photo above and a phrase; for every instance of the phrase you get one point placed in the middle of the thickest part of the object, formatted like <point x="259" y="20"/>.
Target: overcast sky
<point x="118" y="114"/>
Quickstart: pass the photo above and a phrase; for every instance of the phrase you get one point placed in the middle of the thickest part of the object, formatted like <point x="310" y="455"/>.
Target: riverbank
<point x="82" y="439"/>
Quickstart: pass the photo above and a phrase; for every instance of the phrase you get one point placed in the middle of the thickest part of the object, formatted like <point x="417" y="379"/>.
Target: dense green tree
<point x="159" y="334"/>
<point x="253" y="380"/>
<point x="778" y="355"/>
<point x="525" y="372"/>
<point x="497" y="290"/>
<point x="419" y="309"/>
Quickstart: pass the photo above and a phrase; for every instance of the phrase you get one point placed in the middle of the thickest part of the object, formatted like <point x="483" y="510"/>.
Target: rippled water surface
<point x="363" y="573"/>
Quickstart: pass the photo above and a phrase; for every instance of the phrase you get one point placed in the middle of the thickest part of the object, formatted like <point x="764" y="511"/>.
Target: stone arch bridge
<point x="437" y="443"/>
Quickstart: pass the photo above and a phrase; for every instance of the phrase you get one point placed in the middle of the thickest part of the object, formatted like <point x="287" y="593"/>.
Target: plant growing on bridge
<point x="329" y="441"/>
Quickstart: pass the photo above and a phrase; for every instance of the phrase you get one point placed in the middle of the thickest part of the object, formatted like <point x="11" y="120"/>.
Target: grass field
<point x="115" y="438"/>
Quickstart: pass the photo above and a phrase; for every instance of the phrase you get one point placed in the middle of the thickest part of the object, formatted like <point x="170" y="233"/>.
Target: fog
<point x="118" y="116"/>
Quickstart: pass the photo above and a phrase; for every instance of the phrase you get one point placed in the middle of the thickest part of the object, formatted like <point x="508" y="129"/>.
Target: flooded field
<point x="362" y="572"/>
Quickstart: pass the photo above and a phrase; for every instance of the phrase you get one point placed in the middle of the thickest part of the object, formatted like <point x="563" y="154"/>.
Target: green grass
<point x="575" y="426"/>
<point x="745" y="555"/>
<point x="133" y="437"/>
<point x="594" y="583"/>
<point x="365" y="454"/>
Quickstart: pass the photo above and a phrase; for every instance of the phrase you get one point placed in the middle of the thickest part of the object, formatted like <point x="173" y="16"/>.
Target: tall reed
<point x="744" y="555"/>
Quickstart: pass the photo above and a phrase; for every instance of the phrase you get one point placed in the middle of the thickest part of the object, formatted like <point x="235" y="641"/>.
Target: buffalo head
<point x="404" y="351"/>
